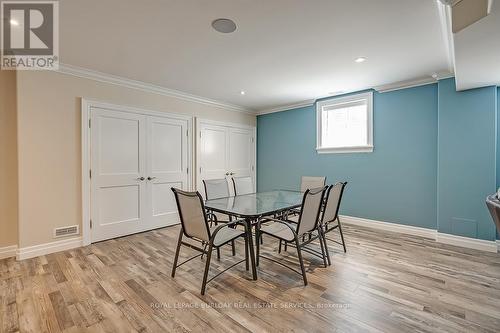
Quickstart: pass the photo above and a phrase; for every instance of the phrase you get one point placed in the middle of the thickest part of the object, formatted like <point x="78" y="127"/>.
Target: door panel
<point x="167" y="145"/>
<point x="163" y="198"/>
<point x="119" y="146"/>
<point x="117" y="162"/>
<point x="119" y="204"/>
<point x="213" y="154"/>
<point x="241" y="152"/>
<point x="167" y="168"/>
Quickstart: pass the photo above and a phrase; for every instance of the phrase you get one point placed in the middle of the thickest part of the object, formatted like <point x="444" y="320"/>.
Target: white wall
<point x="49" y="138"/>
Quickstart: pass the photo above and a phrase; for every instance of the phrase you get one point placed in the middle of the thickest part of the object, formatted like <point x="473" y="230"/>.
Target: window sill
<point x="344" y="150"/>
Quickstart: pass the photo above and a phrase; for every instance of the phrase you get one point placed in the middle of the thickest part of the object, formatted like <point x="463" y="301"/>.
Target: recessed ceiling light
<point x="360" y="59"/>
<point x="242" y="92"/>
<point x="224" y="25"/>
<point x="14" y="22"/>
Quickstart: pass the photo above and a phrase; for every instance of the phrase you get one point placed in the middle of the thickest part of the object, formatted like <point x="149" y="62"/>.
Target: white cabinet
<point x="223" y="151"/>
<point x="135" y="159"/>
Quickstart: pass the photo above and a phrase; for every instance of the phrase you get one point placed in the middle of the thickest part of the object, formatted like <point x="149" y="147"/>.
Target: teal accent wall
<point x="395" y="183"/>
<point x="466" y="159"/>
<point x="433" y="163"/>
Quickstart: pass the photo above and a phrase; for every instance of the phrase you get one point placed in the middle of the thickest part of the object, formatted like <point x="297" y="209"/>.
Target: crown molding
<point x="414" y="82"/>
<point x="381" y="89"/>
<point x="287" y="107"/>
<point x="147" y="87"/>
<point x="405" y="84"/>
<point x="447" y="34"/>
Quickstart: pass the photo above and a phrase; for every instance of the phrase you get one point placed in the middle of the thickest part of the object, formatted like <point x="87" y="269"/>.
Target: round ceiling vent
<point x="224" y="26"/>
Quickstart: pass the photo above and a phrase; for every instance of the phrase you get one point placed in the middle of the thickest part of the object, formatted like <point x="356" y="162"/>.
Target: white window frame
<point x="368" y="148"/>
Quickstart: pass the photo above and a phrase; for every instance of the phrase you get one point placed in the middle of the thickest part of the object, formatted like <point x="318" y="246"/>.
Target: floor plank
<point x="386" y="282"/>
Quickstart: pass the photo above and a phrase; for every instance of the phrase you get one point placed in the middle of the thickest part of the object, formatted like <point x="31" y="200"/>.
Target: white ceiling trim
<point x="286" y="107"/>
<point x="405" y="84"/>
<point x="151" y="88"/>
<point x="447" y="34"/>
<point x="413" y="83"/>
<point x="147" y="87"/>
<point x="381" y="89"/>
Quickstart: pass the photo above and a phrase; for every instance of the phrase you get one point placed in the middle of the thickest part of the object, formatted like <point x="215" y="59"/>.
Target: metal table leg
<point x="248" y="222"/>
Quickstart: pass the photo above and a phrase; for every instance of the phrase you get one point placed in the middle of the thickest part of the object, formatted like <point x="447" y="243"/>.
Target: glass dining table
<point x="252" y="207"/>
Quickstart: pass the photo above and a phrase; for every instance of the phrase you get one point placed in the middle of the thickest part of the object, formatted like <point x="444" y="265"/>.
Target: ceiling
<point x="283" y="51"/>
<point x="477" y="52"/>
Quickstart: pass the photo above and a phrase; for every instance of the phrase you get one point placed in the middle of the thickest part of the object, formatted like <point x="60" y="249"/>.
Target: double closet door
<point x="135" y="160"/>
<point x="224" y="151"/>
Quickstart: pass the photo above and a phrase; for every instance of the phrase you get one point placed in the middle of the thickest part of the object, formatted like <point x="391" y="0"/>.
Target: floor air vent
<point x="66" y="231"/>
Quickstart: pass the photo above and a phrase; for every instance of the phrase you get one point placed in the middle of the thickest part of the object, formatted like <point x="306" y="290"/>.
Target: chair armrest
<point x="282" y="222"/>
<point x="229" y="224"/>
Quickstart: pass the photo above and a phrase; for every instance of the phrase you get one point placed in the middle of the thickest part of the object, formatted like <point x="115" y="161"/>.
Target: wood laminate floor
<point x="387" y="282"/>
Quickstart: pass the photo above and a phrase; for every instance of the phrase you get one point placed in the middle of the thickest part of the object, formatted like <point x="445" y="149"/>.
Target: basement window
<point x="345" y="124"/>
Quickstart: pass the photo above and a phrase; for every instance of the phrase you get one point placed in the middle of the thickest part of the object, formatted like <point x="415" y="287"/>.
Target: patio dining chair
<point x="216" y="189"/>
<point x="195" y="225"/>
<point x="330" y="218"/>
<point x="308" y="224"/>
<point x="242" y="185"/>
<point x="308" y="183"/>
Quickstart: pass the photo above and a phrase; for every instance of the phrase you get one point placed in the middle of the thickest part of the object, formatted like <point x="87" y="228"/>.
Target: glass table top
<point x="256" y="204"/>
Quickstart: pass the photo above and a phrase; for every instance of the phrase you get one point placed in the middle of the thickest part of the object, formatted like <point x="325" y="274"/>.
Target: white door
<point x="213" y="154"/>
<point x="224" y="151"/>
<point x="241" y="153"/>
<point x="135" y="161"/>
<point x="118" y="167"/>
<point x="167" y="167"/>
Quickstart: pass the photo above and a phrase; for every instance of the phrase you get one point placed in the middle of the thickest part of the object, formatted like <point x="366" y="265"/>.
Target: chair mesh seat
<point x="225" y="234"/>
<point x="279" y="230"/>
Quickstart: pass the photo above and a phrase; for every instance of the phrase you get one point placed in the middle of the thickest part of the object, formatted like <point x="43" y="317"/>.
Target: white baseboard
<point x="388" y="226"/>
<point x="471" y="243"/>
<point x="8" y="251"/>
<point x="466" y="242"/>
<point x="47" y="248"/>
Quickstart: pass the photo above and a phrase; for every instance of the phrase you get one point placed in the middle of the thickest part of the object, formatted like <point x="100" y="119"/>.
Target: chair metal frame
<point x="297" y="244"/>
<point x="325" y="225"/>
<point x="204" y="243"/>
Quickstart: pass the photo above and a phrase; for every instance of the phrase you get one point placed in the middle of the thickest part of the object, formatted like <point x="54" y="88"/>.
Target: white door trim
<point x="86" y="105"/>
<point x="199" y="121"/>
